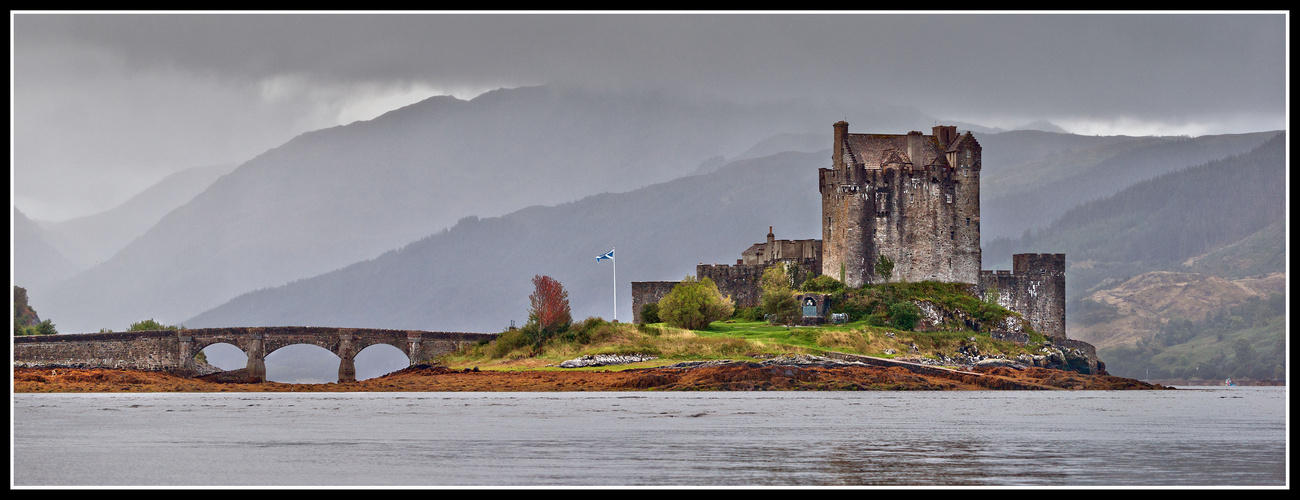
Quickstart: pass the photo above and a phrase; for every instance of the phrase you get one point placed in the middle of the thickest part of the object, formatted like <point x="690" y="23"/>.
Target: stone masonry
<point x="913" y="198"/>
<point x="1035" y="288"/>
<point x="174" y="350"/>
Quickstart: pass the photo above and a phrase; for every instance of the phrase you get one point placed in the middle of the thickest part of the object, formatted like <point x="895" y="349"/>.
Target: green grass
<point x="872" y="334"/>
<point x="734" y="339"/>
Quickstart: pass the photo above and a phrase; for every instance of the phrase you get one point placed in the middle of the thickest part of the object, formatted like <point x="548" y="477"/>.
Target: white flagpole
<point x="615" y="259"/>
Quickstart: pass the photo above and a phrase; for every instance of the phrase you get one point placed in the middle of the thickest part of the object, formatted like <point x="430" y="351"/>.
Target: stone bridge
<point x="174" y="350"/>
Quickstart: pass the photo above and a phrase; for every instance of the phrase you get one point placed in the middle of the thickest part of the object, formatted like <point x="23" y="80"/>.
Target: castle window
<point x="968" y="221"/>
<point x="948" y="197"/>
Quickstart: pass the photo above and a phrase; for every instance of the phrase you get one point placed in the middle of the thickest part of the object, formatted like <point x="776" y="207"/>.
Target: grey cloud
<point x="993" y="69"/>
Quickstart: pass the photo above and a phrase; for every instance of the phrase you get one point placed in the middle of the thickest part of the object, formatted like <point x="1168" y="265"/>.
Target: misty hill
<point x="93" y="238"/>
<point x="37" y="263"/>
<point x="476" y="275"/>
<point x="1261" y="253"/>
<point x="336" y="196"/>
<point x="1177" y="215"/>
<point x="1030" y="195"/>
<point x="1161" y="223"/>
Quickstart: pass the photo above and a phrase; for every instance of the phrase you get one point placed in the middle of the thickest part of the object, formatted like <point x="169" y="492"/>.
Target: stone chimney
<point x="945" y="134"/>
<point x="837" y="149"/>
<point x="914" y="139"/>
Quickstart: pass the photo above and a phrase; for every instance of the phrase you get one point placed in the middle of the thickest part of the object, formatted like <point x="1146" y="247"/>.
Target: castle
<point x="912" y="198"/>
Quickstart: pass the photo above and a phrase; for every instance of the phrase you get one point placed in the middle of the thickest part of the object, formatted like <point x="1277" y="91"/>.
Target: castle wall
<point x="740" y="282"/>
<point x="1035" y="288"/>
<point x="648" y="292"/>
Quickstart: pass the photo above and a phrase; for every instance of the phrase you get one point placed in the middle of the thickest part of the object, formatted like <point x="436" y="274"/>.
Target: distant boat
<point x="1229" y="383"/>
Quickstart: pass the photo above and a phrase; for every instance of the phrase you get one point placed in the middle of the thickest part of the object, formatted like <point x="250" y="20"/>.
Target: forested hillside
<point x="1160" y="223"/>
<point x="1220" y="229"/>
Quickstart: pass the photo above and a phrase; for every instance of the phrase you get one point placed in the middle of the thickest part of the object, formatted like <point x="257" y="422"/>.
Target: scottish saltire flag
<point x="609" y="256"/>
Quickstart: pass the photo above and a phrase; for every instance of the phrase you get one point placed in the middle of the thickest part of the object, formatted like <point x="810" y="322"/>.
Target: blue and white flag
<point x="609" y="256"/>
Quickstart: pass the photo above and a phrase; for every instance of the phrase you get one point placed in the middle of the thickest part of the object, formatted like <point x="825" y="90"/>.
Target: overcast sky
<point x="105" y="104"/>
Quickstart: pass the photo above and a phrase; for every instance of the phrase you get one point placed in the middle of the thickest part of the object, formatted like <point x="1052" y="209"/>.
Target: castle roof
<point x="877" y="150"/>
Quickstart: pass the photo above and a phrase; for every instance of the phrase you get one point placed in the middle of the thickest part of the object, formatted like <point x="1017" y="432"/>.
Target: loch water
<point x="1194" y="436"/>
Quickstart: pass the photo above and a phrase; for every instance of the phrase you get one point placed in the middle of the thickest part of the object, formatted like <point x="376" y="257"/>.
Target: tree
<point x="548" y="312"/>
<point x="884" y="267"/>
<point x="778" y="296"/>
<point x="694" y="304"/>
<point x="150" y="325"/>
<point x="26" y="321"/>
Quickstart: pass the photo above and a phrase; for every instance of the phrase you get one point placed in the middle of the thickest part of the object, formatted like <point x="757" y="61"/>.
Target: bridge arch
<point x="224" y="355"/>
<point x="379" y="359"/>
<point x="302" y="363"/>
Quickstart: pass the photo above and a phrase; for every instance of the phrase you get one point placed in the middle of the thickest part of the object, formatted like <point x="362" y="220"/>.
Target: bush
<point x="45" y="327"/>
<point x="823" y="284"/>
<point x="749" y="313"/>
<point x="650" y="313"/>
<point x="583" y="332"/>
<point x="778" y="297"/>
<point x="150" y="325"/>
<point x="904" y="315"/>
<point x="508" y="341"/>
<point x="694" y="304"/>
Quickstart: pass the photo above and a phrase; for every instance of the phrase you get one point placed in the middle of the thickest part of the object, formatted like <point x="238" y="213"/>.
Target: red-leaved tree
<point x="548" y="313"/>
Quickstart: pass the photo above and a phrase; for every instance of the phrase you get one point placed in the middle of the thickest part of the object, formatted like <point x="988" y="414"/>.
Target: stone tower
<point x="1035" y="288"/>
<point x="913" y="198"/>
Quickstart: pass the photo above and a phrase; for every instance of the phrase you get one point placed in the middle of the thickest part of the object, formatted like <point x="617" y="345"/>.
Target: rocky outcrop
<point x="933" y="316"/>
<point x="605" y="360"/>
<point x="1078" y="359"/>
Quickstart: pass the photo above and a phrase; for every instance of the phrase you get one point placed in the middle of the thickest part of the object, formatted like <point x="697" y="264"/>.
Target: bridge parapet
<point x="174" y="350"/>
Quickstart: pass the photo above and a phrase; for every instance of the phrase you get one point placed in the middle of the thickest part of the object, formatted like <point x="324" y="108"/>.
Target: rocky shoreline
<point x="789" y="372"/>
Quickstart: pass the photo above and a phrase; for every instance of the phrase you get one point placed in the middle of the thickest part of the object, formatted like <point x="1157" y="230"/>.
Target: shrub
<point x="778" y="297"/>
<point x="150" y="325"/>
<point x="508" y="341"/>
<point x="749" y="313"/>
<point x="694" y="304"/>
<point x="823" y="284"/>
<point x="650" y="313"/>
<point x="904" y="315"/>
<point x="45" y="327"/>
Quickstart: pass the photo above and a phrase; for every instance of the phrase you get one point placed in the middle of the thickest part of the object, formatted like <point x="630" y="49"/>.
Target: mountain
<point x="1159" y="223"/>
<point x="1032" y="194"/>
<point x="336" y="196"/>
<point x="37" y="264"/>
<point x="1261" y="253"/>
<point x="1186" y="245"/>
<point x="1137" y="308"/>
<point x="476" y="275"/>
<point x="1190" y="326"/>
<point x="94" y="238"/>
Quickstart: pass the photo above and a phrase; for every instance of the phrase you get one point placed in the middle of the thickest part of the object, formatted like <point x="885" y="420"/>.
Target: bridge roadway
<point x="174" y="350"/>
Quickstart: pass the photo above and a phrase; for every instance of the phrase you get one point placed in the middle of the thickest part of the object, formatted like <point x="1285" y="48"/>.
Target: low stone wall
<point x="149" y="351"/>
